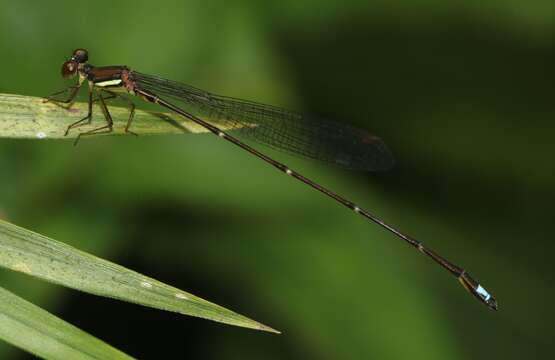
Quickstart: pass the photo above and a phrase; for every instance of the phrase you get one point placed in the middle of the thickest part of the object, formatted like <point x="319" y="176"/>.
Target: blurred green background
<point x="461" y="91"/>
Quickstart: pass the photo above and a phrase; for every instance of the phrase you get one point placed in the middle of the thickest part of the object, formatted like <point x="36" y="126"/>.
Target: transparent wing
<point x="313" y="138"/>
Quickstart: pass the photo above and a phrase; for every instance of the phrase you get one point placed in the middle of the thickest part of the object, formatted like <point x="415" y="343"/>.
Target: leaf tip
<point x="263" y="327"/>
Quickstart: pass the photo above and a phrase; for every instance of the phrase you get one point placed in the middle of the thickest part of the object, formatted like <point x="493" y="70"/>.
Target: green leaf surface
<point x="36" y="255"/>
<point x="28" y="117"/>
<point x="31" y="328"/>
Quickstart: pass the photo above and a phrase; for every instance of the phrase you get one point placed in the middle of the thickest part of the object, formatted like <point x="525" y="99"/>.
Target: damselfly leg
<point x="68" y="101"/>
<point x="108" y="128"/>
<point x="95" y="95"/>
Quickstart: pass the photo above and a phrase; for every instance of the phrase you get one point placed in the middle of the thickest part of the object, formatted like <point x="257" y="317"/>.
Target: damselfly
<point x="326" y="141"/>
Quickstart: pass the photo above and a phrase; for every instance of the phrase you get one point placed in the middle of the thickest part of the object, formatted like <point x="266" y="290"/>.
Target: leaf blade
<point x="35" y="330"/>
<point x="28" y="117"/>
<point x="39" y="256"/>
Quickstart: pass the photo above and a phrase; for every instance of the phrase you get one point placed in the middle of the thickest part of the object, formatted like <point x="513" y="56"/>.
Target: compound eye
<point x="69" y="69"/>
<point x="80" y="55"/>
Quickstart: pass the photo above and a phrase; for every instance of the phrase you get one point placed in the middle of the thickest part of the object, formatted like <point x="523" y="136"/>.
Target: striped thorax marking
<point x="221" y="134"/>
<point x="356" y="209"/>
<point x="288" y="171"/>
<point x="115" y="82"/>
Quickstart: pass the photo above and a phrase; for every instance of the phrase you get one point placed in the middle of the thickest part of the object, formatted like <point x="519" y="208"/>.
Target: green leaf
<point x="33" y="329"/>
<point x="28" y="117"/>
<point x="36" y="255"/>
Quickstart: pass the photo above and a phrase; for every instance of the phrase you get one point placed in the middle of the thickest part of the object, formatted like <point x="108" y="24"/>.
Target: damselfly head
<point x="70" y="67"/>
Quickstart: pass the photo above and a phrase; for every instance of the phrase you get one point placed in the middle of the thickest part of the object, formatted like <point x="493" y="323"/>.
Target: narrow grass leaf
<point x="39" y="256"/>
<point x="28" y="117"/>
<point x="35" y="330"/>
